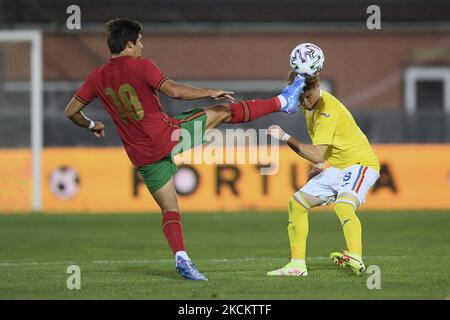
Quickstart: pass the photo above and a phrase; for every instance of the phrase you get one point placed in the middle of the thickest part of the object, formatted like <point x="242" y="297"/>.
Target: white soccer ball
<point x="64" y="182"/>
<point x="307" y="58"/>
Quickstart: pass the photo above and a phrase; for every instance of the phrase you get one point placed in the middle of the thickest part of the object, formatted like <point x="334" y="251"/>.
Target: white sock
<point x="282" y="100"/>
<point x="182" y="254"/>
<point x="298" y="261"/>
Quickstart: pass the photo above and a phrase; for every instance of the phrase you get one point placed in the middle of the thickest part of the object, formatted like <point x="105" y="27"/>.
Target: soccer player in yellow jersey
<point x="354" y="168"/>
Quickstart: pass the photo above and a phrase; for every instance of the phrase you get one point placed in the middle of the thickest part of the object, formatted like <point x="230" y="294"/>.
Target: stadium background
<point x="395" y="81"/>
<point x="231" y="45"/>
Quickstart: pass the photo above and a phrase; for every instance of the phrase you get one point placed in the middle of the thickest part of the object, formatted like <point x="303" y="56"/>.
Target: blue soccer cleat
<point x="188" y="270"/>
<point x="292" y="93"/>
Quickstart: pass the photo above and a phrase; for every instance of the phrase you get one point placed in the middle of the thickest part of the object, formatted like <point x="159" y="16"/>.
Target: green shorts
<point x="193" y="124"/>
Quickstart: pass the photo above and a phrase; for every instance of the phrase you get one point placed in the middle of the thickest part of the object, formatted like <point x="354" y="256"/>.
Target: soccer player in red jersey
<point x="127" y="86"/>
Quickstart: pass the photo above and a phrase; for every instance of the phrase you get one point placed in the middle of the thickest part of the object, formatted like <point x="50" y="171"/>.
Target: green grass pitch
<point x="125" y="256"/>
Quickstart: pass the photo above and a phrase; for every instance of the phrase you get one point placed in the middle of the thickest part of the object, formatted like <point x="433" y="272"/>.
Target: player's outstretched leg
<point x="298" y="233"/>
<point x="249" y="110"/>
<point x="173" y="230"/>
<point x="351" y="225"/>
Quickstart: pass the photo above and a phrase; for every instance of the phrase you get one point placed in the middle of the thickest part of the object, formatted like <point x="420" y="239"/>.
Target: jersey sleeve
<point x="152" y="74"/>
<point x="325" y="128"/>
<point x="86" y="93"/>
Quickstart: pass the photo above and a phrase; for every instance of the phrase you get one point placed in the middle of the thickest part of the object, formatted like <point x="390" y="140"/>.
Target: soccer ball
<point x="64" y="182"/>
<point x="307" y="58"/>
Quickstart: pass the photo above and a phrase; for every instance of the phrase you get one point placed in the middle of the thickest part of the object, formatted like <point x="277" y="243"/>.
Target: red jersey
<point x="126" y="87"/>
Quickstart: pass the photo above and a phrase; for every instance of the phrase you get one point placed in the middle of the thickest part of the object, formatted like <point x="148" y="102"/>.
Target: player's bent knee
<point x="225" y="113"/>
<point x="222" y="110"/>
<point x="218" y="114"/>
<point x="170" y="208"/>
<point x="349" y="198"/>
<point x="309" y="201"/>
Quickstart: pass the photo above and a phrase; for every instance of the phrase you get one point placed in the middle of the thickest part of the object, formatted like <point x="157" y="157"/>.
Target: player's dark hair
<point x="310" y="81"/>
<point x="119" y="31"/>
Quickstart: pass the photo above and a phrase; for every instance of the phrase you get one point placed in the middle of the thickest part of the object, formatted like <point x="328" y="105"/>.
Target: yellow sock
<point x="297" y="229"/>
<point x="351" y="226"/>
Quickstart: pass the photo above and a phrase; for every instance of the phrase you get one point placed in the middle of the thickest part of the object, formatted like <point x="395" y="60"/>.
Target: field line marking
<point x="150" y="261"/>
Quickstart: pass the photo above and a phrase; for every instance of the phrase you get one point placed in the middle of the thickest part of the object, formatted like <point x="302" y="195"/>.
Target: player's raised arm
<point x="187" y="92"/>
<point x="74" y="113"/>
<point x="315" y="154"/>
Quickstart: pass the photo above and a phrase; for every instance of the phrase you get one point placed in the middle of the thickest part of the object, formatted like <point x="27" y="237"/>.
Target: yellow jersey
<point x="330" y="123"/>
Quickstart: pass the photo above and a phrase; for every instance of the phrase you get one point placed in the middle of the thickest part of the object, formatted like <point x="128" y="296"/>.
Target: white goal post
<point x="35" y="39"/>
